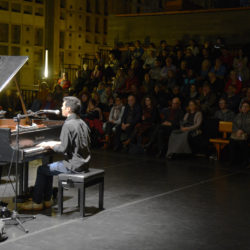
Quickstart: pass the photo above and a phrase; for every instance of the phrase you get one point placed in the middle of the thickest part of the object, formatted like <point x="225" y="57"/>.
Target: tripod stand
<point x="15" y="216"/>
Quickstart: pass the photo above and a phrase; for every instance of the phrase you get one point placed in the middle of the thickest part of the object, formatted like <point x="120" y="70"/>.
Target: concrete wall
<point x="233" y="25"/>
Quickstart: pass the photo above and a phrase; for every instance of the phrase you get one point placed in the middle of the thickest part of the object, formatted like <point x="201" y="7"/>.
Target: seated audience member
<point x="170" y="120"/>
<point x="150" y="59"/>
<point x="246" y="98"/>
<point x="179" y="141"/>
<point x="219" y="69"/>
<point x="178" y="57"/>
<point x="216" y="84"/>
<point x="234" y="81"/>
<point x="224" y="114"/>
<point x="188" y="81"/>
<point x="126" y="56"/>
<point x="64" y="82"/>
<point x="106" y="94"/>
<point x="138" y="51"/>
<point x="171" y="81"/>
<point x="48" y="103"/>
<point x="132" y="79"/>
<point x="115" y="117"/>
<point x="205" y="68"/>
<point x="84" y="76"/>
<point x="149" y="119"/>
<point x="155" y="72"/>
<point x="182" y="72"/>
<point x="96" y="76"/>
<point x="207" y="101"/>
<point x="84" y="97"/>
<point x="168" y="66"/>
<point x="233" y="99"/>
<point x="58" y="96"/>
<point x="161" y="97"/>
<point x="41" y="97"/>
<point x="192" y="46"/>
<point x="240" y="64"/>
<point x="148" y="84"/>
<point x="96" y="97"/>
<point x="93" y="118"/>
<point x="192" y="95"/>
<point x="119" y="81"/>
<point x="111" y="67"/>
<point x="131" y="116"/>
<point x="99" y="60"/>
<point x="239" y="149"/>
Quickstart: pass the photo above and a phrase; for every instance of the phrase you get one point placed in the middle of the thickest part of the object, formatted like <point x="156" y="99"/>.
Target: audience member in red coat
<point x="234" y="81"/>
<point x="64" y="82"/>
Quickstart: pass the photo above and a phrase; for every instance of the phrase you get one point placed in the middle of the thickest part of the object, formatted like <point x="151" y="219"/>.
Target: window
<point x="39" y="12"/>
<point x="87" y="39"/>
<point x="15" y="34"/>
<point x="27" y="9"/>
<point x="62" y="15"/>
<point x="61" y="40"/>
<point x="97" y="7"/>
<point x="3" y="50"/>
<point x="40" y="1"/>
<point x="105" y="26"/>
<point x="15" y="51"/>
<point x="88" y="24"/>
<point x="4" y="5"/>
<point x="105" y="7"/>
<point x="16" y="7"/>
<point x="38" y="37"/>
<point x="4" y="34"/>
<point x="63" y="4"/>
<point x="88" y="6"/>
<point x="97" y="29"/>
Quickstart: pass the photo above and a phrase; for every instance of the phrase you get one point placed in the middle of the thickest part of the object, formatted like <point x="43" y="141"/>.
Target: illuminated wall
<point x="22" y="33"/>
<point x="233" y="25"/>
<point x="69" y="29"/>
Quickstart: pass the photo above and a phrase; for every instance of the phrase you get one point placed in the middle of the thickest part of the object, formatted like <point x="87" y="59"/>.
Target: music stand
<point x="9" y="66"/>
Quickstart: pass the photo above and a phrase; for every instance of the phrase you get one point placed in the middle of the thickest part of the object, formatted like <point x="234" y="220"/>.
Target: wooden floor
<point x="149" y="204"/>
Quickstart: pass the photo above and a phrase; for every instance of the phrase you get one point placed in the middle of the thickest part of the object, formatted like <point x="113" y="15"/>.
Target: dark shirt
<point x="172" y="115"/>
<point x="75" y="144"/>
<point x="132" y="115"/>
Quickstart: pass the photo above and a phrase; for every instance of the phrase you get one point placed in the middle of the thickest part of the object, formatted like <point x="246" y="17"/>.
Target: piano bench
<point x="81" y="181"/>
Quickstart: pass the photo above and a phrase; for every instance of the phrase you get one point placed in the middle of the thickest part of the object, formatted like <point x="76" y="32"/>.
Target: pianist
<point x="74" y="144"/>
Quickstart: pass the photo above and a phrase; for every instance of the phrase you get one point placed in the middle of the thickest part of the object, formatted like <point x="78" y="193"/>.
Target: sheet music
<point x="9" y="66"/>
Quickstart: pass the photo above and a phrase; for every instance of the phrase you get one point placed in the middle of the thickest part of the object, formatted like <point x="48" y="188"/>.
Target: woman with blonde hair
<point x="190" y="128"/>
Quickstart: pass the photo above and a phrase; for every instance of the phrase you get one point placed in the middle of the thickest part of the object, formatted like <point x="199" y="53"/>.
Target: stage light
<point x="46" y="70"/>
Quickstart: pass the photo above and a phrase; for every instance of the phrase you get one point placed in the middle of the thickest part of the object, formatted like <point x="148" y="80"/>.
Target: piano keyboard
<point x="33" y="150"/>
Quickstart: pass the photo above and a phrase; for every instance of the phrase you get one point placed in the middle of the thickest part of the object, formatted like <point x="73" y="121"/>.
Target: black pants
<point x="122" y="135"/>
<point x="161" y="135"/>
<point x="108" y="129"/>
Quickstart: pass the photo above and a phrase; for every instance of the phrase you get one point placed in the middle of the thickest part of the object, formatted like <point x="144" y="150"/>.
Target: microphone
<point x="49" y="111"/>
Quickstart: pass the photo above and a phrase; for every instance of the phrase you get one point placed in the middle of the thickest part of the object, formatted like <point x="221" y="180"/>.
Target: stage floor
<point x="185" y="204"/>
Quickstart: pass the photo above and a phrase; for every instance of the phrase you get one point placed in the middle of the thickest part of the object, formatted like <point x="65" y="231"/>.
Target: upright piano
<point x="29" y="138"/>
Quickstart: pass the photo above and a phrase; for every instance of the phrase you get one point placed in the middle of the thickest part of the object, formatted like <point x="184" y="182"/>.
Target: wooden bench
<point x="219" y="143"/>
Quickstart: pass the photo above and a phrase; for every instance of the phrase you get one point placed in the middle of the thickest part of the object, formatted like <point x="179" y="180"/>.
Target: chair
<point x="219" y="143"/>
<point x="81" y="181"/>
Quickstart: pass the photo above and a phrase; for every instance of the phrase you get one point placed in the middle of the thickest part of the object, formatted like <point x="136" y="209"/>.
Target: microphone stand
<point x="15" y="216"/>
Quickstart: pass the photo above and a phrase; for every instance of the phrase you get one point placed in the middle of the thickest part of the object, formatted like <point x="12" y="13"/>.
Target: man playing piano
<point x="74" y="144"/>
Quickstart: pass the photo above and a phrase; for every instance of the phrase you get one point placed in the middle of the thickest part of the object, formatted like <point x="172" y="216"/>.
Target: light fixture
<point x="46" y="71"/>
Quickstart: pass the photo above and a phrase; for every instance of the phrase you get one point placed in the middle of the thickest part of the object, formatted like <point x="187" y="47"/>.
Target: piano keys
<point x="29" y="137"/>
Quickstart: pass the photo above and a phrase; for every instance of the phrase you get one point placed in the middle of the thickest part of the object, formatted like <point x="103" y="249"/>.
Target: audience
<point x="167" y="79"/>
